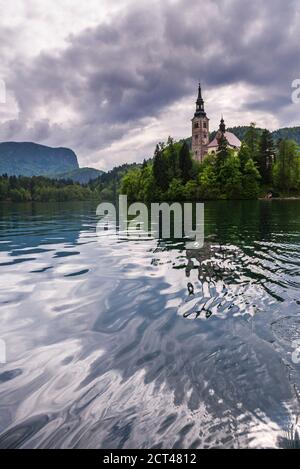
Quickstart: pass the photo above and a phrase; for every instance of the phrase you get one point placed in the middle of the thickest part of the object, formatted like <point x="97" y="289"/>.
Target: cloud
<point x="110" y="90"/>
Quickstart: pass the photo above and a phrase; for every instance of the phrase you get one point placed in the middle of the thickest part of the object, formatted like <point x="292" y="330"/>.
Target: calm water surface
<point x="107" y="348"/>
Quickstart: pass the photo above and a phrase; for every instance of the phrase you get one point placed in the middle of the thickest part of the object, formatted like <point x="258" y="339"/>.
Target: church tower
<point x="200" y="129"/>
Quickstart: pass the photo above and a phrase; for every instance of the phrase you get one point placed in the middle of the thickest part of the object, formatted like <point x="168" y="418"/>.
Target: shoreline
<point x="279" y="198"/>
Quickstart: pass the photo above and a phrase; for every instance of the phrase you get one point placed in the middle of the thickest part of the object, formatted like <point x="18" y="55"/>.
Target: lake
<point x="113" y="343"/>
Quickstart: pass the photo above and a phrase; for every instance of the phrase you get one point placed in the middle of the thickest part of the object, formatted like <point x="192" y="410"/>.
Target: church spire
<point x="200" y="112"/>
<point x="222" y="127"/>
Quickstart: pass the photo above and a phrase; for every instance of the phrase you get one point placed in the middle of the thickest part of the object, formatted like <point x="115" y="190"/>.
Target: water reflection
<point x="144" y="344"/>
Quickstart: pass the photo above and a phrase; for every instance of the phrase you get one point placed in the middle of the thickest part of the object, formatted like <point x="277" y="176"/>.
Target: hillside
<point x="292" y="133"/>
<point x="81" y="175"/>
<point x="32" y="159"/>
<point x="108" y="184"/>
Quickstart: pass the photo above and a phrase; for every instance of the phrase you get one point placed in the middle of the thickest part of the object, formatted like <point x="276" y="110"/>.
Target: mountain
<point x="292" y="133"/>
<point x="31" y="159"/>
<point x="81" y="175"/>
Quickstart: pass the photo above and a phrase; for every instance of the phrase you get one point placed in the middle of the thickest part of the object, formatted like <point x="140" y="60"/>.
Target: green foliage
<point x="161" y="168"/>
<point x="230" y="178"/>
<point x="108" y="185"/>
<point x="81" y="175"/>
<point x="286" y="133"/>
<point x="174" y="176"/>
<point x="244" y="155"/>
<point x="208" y="179"/>
<point x="223" y="154"/>
<point x="265" y="156"/>
<point x="175" y="191"/>
<point x="185" y="162"/>
<point x="250" y="181"/>
<point x="251" y="139"/>
<point x="191" y="190"/>
<point x="286" y="172"/>
<point x="41" y="189"/>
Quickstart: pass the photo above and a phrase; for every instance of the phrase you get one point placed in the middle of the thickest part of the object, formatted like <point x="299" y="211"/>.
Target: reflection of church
<point x="200" y="133"/>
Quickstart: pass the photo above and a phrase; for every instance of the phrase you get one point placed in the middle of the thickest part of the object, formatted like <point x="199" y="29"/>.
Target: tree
<point x="130" y="184"/>
<point x="172" y="159"/>
<point x="250" y="181"/>
<point x="185" y="162"/>
<point x="160" y="169"/>
<point x="244" y="155"/>
<point x="222" y="152"/>
<point x="4" y="186"/>
<point x="286" y="170"/>
<point x="191" y="190"/>
<point x="149" y="191"/>
<point x="230" y="178"/>
<point x="251" y="139"/>
<point x="208" y="180"/>
<point x="265" y="156"/>
<point x="175" y="191"/>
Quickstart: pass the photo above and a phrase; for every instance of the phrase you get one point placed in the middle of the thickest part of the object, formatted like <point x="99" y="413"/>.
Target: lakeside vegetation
<point x="41" y="189"/>
<point x="263" y="165"/>
<point x="260" y="167"/>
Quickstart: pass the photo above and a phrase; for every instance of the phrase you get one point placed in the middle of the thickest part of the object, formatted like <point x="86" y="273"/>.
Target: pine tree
<point x="160" y="170"/>
<point x="144" y="165"/>
<point x="265" y="156"/>
<point x="251" y="139"/>
<point x="244" y="155"/>
<point x="185" y="162"/>
<point x="223" y="153"/>
<point x="230" y="178"/>
<point x="250" y="180"/>
<point x="173" y="159"/>
<point x="286" y="169"/>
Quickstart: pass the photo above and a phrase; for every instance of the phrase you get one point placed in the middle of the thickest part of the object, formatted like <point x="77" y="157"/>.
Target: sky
<point x="111" y="79"/>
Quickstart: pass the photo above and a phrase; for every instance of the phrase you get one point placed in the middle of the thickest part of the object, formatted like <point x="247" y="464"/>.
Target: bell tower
<point x="200" y="129"/>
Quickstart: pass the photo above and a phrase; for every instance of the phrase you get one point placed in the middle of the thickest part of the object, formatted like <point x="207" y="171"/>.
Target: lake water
<point x="106" y="348"/>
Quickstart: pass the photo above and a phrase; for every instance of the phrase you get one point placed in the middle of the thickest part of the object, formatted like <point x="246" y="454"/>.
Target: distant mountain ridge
<point x="292" y="133"/>
<point x="81" y="175"/>
<point x="32" y="159"/>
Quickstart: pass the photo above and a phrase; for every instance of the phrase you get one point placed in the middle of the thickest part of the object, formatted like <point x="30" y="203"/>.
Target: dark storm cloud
<point x="110" y="78"/>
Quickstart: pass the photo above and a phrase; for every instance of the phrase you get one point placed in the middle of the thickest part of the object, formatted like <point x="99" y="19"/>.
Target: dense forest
<point x="263" y="165"/>
<point x="41" y="189"/>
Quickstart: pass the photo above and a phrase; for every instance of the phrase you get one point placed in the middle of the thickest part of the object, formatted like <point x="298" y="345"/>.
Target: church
<point x="201" y="146"/>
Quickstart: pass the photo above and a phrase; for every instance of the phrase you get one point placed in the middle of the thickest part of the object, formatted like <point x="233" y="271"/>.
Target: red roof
<point x="232" y="140"/>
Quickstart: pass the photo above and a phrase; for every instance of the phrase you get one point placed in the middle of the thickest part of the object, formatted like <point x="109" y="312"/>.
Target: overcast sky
<point x="111" y="78"/>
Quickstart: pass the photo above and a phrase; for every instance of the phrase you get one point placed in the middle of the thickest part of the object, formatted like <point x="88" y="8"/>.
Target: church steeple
<point x="200" y="129"/>
<point x="200" y="112"/>
<point x="222" y="127"/>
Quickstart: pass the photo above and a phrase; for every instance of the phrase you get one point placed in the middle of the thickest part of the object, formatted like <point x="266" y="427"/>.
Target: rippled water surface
<point x="107" y="347"/>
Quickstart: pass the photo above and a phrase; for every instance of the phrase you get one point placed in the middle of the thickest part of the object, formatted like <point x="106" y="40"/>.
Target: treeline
<point x="42" y="189"/>
<point x="286" y="133"/>
<point x="261" y="166"/>
<point x="107" y="186"/>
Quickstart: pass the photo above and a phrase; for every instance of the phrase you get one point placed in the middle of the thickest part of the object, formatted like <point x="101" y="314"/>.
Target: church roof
<point x="232" y="140"/>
